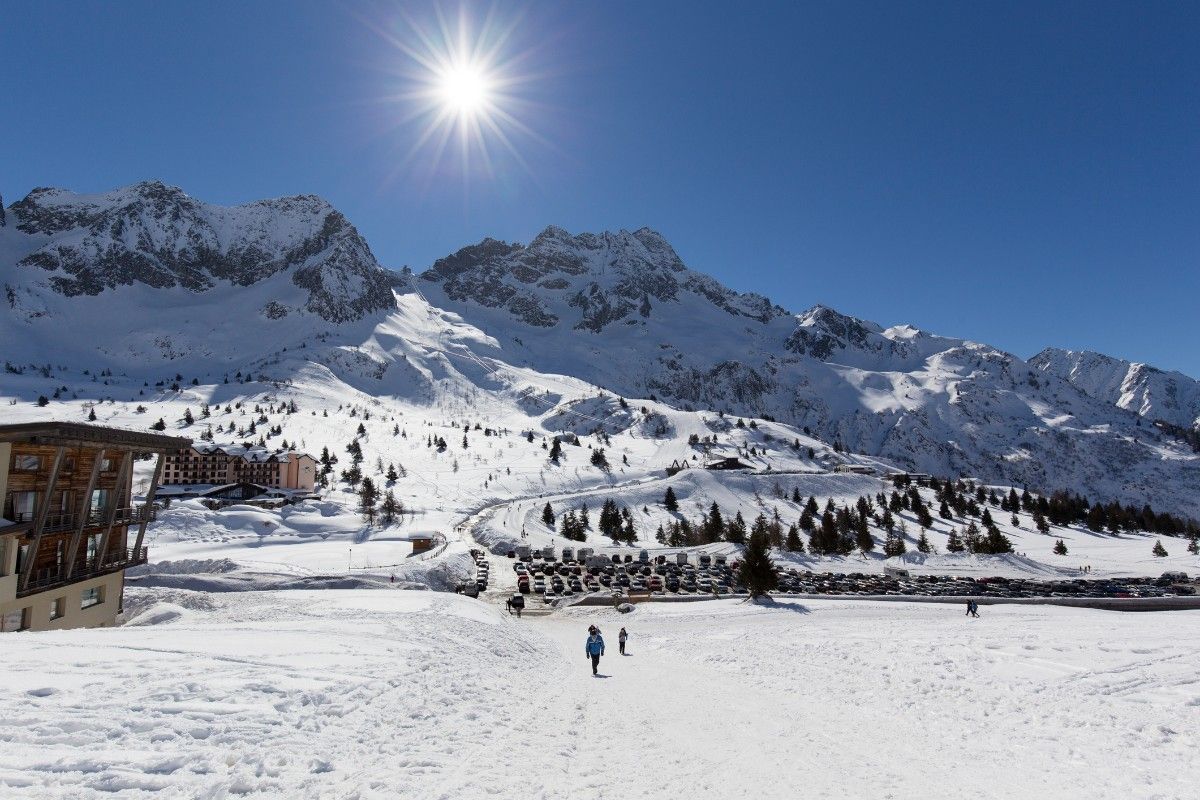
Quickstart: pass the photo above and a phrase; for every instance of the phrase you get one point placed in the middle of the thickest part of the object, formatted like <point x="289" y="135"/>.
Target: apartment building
<point x="213" y="464"/>
<point x="67" y="519"/>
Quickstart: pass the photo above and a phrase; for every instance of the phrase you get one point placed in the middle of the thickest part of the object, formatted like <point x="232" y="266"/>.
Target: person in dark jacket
<point x="594" y="648"/>
<point x="621" y="637"/>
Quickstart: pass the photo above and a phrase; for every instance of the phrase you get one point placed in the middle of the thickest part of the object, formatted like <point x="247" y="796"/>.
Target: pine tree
<point x="583" y="516"/>
<point x="555" y="450"/>
<point x="390" y="508"/>
<point x="793" y="542"/>
<point x="894" y="545"/>
<point x="188" y="419"/>
<point x="923" y="545"/>
<point x="735" y="531"/>
<point x="548" y="516"/>
<point x="756" y="572"/>
<point x="392" y="476"/>
<point x="1060" y="548"/>
<point x="367" y="497"/>
<point x="160" y="425"/>
<point x="954" y="543"/>
<point x="995" y="542"/>
<point x="863" y="539"/>
<point x="1193" y="544"/>
<point x="713" y="527"/>
<point x="1159" y="551"/>
<point x="670" y="503"/>
<point x="629" y="533"/>
<point x="92" y="414"/>
<point x="599" y="460"/>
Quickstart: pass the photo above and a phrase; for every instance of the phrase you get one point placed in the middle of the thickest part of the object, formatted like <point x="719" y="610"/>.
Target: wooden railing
<point x="45" y="579"/>
<point x="95" y="518"/>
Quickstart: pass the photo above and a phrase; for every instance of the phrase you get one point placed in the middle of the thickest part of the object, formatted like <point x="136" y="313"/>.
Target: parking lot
<point x="794" y="581"/>
<point x="547" y="575"/>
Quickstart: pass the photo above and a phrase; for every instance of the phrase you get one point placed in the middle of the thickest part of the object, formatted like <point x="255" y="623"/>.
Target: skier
<point x="621" y="637"/>
<point x="973" y="608"/>
<point x="594" y="648"/>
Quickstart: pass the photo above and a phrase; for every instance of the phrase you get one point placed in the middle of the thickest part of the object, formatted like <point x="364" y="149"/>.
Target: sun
<point x="464" y="90"/>
<point x="464" y="87"/>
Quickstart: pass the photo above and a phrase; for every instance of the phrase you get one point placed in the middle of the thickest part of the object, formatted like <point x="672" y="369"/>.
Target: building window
<point x="91" y="597"/>
<point x="58" y="607"/>
<point x="27" y="463"/>
<point x="14" y="620"/>
<point x="99" y="500"/>
<point x="24" y="504"/>
<point x="106" y="465"/>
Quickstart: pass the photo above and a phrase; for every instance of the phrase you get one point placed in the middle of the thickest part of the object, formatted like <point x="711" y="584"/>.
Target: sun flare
<point x="465" y="85"/>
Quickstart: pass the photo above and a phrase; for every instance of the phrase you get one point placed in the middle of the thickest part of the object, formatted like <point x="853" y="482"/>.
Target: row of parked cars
<point x="792" y="581"/>
<point x="548" y="574"/>
<point x="483" y="569"/>
<point x="554" y="577"/>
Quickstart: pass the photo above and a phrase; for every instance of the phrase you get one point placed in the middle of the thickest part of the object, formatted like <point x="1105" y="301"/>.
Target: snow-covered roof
<point x="256" y="455"/>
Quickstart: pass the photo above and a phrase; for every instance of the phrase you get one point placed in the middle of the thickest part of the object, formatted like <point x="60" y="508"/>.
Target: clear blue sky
<point x="1023" y="174"/>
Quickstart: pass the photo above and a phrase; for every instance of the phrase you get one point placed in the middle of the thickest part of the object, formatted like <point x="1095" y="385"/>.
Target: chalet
<point x="66" y="519"/>
<point x="854" y="469"/>
<point x="422" y="542"/>
<point x="220" y="466"/>
<point x="909" y="478"/>
<point x="732" y="462"/>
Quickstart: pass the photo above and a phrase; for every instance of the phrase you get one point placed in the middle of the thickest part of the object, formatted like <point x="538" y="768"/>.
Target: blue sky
<point x="1019" y="174"/>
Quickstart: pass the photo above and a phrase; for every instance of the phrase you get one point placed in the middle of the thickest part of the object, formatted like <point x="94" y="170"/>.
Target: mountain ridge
<point x="615" y="310"/>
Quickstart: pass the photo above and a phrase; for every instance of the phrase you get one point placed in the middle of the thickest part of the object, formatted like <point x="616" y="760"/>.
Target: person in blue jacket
<point x="594" y="649"/>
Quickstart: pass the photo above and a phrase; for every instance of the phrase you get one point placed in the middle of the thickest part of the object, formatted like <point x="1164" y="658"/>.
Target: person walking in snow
<point x="594" y="648"/>
<point x="621" y="637"/>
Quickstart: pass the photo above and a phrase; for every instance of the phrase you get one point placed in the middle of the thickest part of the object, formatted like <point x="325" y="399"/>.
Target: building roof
<point x="255" y="455"/>
<point x="73" y="434"/>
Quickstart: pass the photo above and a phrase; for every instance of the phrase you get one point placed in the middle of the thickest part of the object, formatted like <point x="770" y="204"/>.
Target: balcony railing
<point x="65" y="521"/>
<point x="45" y="579"/>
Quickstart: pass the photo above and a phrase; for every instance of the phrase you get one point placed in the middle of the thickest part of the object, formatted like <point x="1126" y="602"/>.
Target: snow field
<point x="414" y="694"/>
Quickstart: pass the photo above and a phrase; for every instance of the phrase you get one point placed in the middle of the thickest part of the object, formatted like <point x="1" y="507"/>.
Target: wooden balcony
<point x="58" y="522"/>
<point x="46" y="579"/>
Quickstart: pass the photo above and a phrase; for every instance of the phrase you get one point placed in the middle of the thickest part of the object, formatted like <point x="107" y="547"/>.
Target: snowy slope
<point x="1152" y="393"/>
<point x="192" y="300"/>
<point x="387" y="694"/>
<point x="620" y="310"/>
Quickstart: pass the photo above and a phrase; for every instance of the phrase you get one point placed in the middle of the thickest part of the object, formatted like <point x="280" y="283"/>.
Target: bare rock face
<point x="156" y="235"/>
<point x="594" y="281"/>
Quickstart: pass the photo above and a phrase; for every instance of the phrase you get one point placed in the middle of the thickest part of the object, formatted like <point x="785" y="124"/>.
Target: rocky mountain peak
<point x="154" y="234"/>
<point x="592" y="279"/>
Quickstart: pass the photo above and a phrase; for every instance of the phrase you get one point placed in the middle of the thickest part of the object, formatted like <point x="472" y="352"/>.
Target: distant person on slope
<point x="594" y="648"/>
<point x="621" y="637"/>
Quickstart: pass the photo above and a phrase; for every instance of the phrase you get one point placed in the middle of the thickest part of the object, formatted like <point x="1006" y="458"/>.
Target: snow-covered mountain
<point x="622" y="311"/>
<point x="146" y="276"/>
<point x="1153" y="393"/>
<point x="271" y="271"/>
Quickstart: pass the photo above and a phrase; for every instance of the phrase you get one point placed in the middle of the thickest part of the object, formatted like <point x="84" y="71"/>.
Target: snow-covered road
<point x="425" y="695"/>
